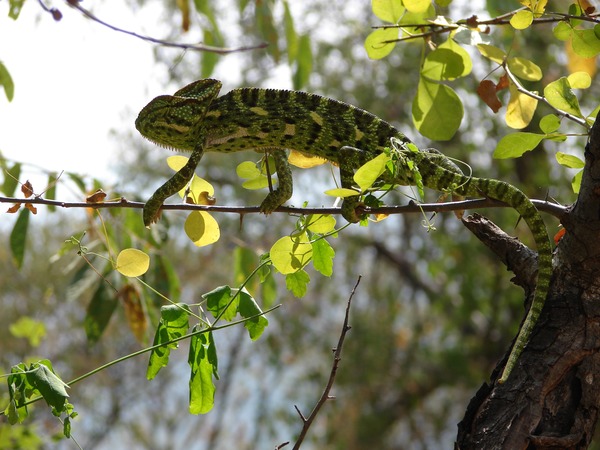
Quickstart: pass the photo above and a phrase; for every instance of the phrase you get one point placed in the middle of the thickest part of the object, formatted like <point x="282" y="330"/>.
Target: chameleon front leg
<point x="350" y="159"/>
<point x="285" y="184"/>
<point x="176" y="183"/>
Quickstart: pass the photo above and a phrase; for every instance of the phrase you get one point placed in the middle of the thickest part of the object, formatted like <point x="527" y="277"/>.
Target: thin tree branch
<point x="553" y="209"/>
<point x="337" y="357"/>
<point x="196" y="47"/>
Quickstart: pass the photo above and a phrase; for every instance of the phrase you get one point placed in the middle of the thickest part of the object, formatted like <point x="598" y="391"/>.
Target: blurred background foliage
<point x="431" y="317"/>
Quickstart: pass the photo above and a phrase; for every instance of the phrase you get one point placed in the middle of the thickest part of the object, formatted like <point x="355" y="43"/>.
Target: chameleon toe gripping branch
<point x="196" y="120"/>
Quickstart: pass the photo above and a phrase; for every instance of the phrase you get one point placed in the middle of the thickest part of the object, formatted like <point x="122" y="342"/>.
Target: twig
<point x="553" y="209"/>
<point x="197" y="47"/>
<point x="337" y="357"/>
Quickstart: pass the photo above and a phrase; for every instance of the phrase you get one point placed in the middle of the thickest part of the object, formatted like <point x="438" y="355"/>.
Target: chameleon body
<point x="195" y="119"/>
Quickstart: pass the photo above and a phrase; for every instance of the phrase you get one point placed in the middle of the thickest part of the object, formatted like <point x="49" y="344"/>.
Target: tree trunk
<point x="551" y="399"/>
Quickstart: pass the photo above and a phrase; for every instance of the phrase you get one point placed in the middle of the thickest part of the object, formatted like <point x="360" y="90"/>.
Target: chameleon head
<point x="173" y="120"/>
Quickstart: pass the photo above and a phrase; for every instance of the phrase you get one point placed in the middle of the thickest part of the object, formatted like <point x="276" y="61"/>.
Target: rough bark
<point x="552" y="398"/>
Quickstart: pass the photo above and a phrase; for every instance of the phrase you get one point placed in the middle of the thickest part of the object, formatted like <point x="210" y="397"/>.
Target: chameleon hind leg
<point x="285" y="184"/>
<point x="176" y="183"/>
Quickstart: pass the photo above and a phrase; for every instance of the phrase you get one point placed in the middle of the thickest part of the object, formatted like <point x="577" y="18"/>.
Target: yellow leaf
<point x="580" y="80"/>
<point x="177" y="162"/>
<point x="290" y="254"/>
<point x="492" y="53"/>
<point x="520" y="109"/>
<point x="132" y="262"/>
<point x="198" y="187"/>
<point x="522" y="19"/>
<point x="576" y="63"/>
<point x="202" y="228"/>
<point x="304" y="160"/>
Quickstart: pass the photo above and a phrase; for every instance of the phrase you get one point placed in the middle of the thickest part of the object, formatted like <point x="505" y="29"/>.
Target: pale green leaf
<point x="291" y="36"/>
<point x="586" y="43"/>
<point x="202" y="228"/>
<point x="369" y="172"/>
<point x="492" y="53"/>
<point x="570" y="161"/>
<point x="560" y="95"/>
<point x="388" y="10"/>
<point x="132" y="262"/>
<point x="514" y="145"/>
<point x="549" y="123"/>
<point x="562" y="31"/>
<point x="176" y="162"/>
<point x="29" y="328"/>
<point x="576" y="182"/>
<point x="341" y="192"/>
<point x="524" y="69"/>
<point x="303" y="65"/>
<point x="448" y="62"/>
<point x="417" y="6"/>
<point x="257" y="183"/>
<point x="375" y="43"/>
<point x="436" y="110"/>
<point x="290" y="254"/>
<point x="320" y="223"/>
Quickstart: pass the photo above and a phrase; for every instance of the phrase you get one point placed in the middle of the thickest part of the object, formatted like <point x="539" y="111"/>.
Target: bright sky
<point x="74" y="81"/>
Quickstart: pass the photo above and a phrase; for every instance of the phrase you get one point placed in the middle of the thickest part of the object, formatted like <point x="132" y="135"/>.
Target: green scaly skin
<point x="196" y="120"/>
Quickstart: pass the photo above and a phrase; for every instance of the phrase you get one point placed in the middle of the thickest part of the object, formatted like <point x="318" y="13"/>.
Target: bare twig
<point x="196" y="47"/>
<point x="542" y="205"/>
<point x="337" y="357"/>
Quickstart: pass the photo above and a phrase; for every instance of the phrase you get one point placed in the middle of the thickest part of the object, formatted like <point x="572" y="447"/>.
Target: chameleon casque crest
<point x="196" y="120"/>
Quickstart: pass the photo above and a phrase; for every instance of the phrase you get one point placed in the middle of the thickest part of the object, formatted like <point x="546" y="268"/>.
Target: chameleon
<point x="195" y="119"/>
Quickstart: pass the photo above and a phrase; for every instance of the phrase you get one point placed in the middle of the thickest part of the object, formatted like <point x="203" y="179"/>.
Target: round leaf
<point x="202" y="228"/>
<point x="290" y="254"/>
<point x="132" y="262"/>
<point x="375" y="46"/>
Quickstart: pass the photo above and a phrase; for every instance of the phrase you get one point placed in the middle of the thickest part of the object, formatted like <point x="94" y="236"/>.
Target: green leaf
<point x="297" y="283"/>
<point x="249" y="308"/>
<point x="266" y="26"/>
<point x="369" y="172"/>
<point x="6" y="82"/>
<point x="50" y="386"/>
<point x="570" y="161"/>
<point x="51" y="191"/>
<point x="549" y="123"/>
<point x="388" y="10"/>
<point x="29" y="328"/>
<point x="524" y="69"/>
<point x="11" y="180"/>
<point x="522" y="19"/>
<point x="291" y="36"/>
<point x="202" y="359"/>
<point x="18" y="237"/>
<point x="291" y="253"/>
<point x="448" y="62"/>
<point x="562" y="31"/>
<point x="492" y="53"/>
<point x="303" y="65"/>
<point x="341" y="192"/>
<point x="586" y="43"/>
<point x="560" y="95"/>
<point x="173" y="324"/>
<point x="323" y="255"/>
<point x="375" y="43"/>
<point x="15" y="8"/>
<point x="576" y="182"/>
<point x="514" y="145"/>
<point x="209" y="60"/>
<point x="99" y="311"/>
<point x="218" y="299"/>
<point x="436" y="110"/>
<point x="320" y="223"/>
<point x="417" y="6"/>
<point x="580" y="80"/>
